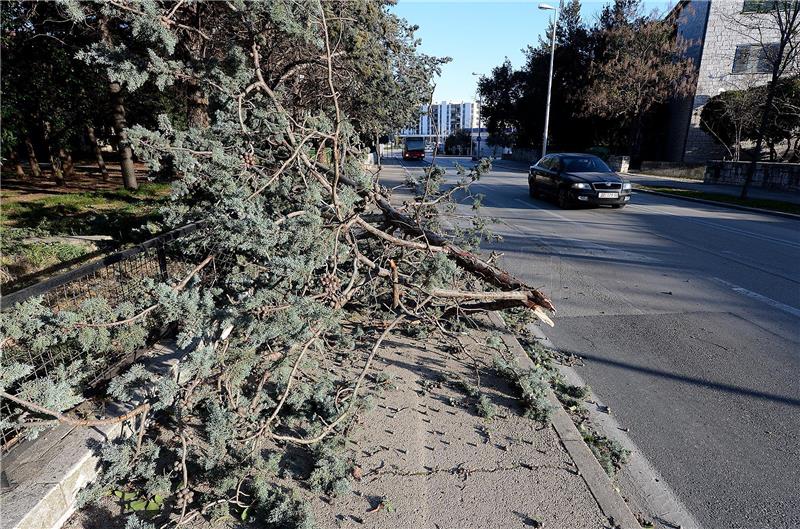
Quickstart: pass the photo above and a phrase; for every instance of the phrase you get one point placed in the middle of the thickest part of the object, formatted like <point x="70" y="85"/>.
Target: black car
<point x="578" y="179"/>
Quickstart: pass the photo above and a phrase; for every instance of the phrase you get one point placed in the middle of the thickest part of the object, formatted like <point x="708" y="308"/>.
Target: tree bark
<point x="20" y="172"/>
<point x="36" y="171"/>
<point x="123" y="145"/>
<point x="101" y="164"/>
<point x="378" y="159"/>
<point x="636" y="144"/>
<point x="67" y="167"/>
<point x="751" y="169"/>
<point x="197" y="105"/>
<point x="55" y="161"/>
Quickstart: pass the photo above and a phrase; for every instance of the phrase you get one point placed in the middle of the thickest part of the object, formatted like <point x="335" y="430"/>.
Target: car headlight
<point x="581" y="185"/>
<point x="626" y="186"/>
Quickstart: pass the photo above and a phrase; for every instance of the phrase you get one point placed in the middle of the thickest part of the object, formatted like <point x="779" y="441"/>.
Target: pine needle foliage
<point x="313" y="268"/>
<point x="532" y="386"/>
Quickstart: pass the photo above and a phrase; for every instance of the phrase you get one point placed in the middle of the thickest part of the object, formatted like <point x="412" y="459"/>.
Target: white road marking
<point x="764" y="299"/>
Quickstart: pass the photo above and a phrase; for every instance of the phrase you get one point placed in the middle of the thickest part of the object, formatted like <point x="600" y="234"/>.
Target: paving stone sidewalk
<point x="426" y="459"/>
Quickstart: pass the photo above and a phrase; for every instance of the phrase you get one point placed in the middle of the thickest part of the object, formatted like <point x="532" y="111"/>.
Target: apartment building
<point x="728" y="55"/>
<point x="443" y="118"/>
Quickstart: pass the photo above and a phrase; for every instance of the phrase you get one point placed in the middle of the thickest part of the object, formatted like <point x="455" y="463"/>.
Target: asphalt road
<point x="688" y="318"/>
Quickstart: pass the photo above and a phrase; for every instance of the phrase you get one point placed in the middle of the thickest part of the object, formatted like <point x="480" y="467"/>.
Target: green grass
<point x="772" y="205"/>
<point x="126" y="216"/>
<point x="22" y="256"/>
<point x="42" y="254"/>
<point x="116" y="213"/>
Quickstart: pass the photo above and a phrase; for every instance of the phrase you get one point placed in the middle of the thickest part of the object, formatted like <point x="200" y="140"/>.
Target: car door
<point x="538" y="175"/>
<point x="547" y="178"/>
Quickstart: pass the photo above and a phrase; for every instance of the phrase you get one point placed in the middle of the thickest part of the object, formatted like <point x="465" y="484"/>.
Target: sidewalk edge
<point x="602" y="489"/>
<point x="721" y="204"/>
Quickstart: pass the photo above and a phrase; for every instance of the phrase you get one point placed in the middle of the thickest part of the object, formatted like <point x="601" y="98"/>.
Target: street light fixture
<point x="479" y="121"/>
<point x="547" y="7"/>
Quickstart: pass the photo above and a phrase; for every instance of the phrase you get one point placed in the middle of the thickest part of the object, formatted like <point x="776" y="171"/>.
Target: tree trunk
<point x="751" y="169"/>
<point x="636" y="142"/>
<point x="18" y="170"/>
<point x="378" y="158"/>
<point x="197" y="106"/>
<point x="67" y="166"/>
<point x="97" y="152"/>
<point x="36" y="171"/>
<point x="123" y="145"/>
<point x="55" y="161"/>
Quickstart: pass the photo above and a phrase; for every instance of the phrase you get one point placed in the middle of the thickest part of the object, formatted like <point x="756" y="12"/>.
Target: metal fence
<point x="113" y="278"/>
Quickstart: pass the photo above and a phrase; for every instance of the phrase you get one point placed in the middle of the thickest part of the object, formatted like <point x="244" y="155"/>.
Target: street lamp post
<point x="480" y="99"/>
<point x="546" y="7"/>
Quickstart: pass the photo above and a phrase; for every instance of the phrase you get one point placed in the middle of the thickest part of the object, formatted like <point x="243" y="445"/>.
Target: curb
<point x="608" y="499"/>
<point x="50" y="471"/>
<point x="721" y="204"/>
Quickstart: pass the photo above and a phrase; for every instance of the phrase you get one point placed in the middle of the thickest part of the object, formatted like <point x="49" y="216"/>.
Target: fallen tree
<point x="303" y="266"/>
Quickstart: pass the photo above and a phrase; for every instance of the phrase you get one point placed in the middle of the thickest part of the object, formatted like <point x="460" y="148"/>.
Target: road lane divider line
<point x="794" y="311"/>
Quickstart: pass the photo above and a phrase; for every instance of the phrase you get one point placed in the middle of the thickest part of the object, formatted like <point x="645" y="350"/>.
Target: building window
<point x="758" y="6"/>
<point x="754" y="58"/>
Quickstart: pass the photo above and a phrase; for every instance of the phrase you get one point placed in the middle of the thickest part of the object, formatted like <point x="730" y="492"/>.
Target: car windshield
<point x="585" y="164"/>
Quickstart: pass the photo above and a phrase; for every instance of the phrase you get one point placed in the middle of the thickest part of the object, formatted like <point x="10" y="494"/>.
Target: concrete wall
<point x="783" y="176"/>
<point x="724" y="31"/>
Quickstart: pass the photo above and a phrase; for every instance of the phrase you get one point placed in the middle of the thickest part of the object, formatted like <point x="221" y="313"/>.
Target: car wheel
<point x="532" y="191"/>
<point x="563" y="199"/>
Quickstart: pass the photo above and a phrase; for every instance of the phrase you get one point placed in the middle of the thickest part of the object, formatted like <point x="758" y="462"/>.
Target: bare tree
<point x="641" y="67"/>
<point x="732" y="115"/>
<point x="774" y="30"/>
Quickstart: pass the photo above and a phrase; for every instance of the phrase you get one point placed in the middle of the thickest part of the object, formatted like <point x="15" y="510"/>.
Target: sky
<point x="479" y="34"/>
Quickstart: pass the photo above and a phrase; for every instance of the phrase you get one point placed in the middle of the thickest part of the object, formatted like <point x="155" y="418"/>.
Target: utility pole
<point x="480" y="99"/>
<point x="546" y="7"/>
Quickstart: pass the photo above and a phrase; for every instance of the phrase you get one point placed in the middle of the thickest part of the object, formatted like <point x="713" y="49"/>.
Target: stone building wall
<point x="691" y="17"/>
<point x="724" y="31"/>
